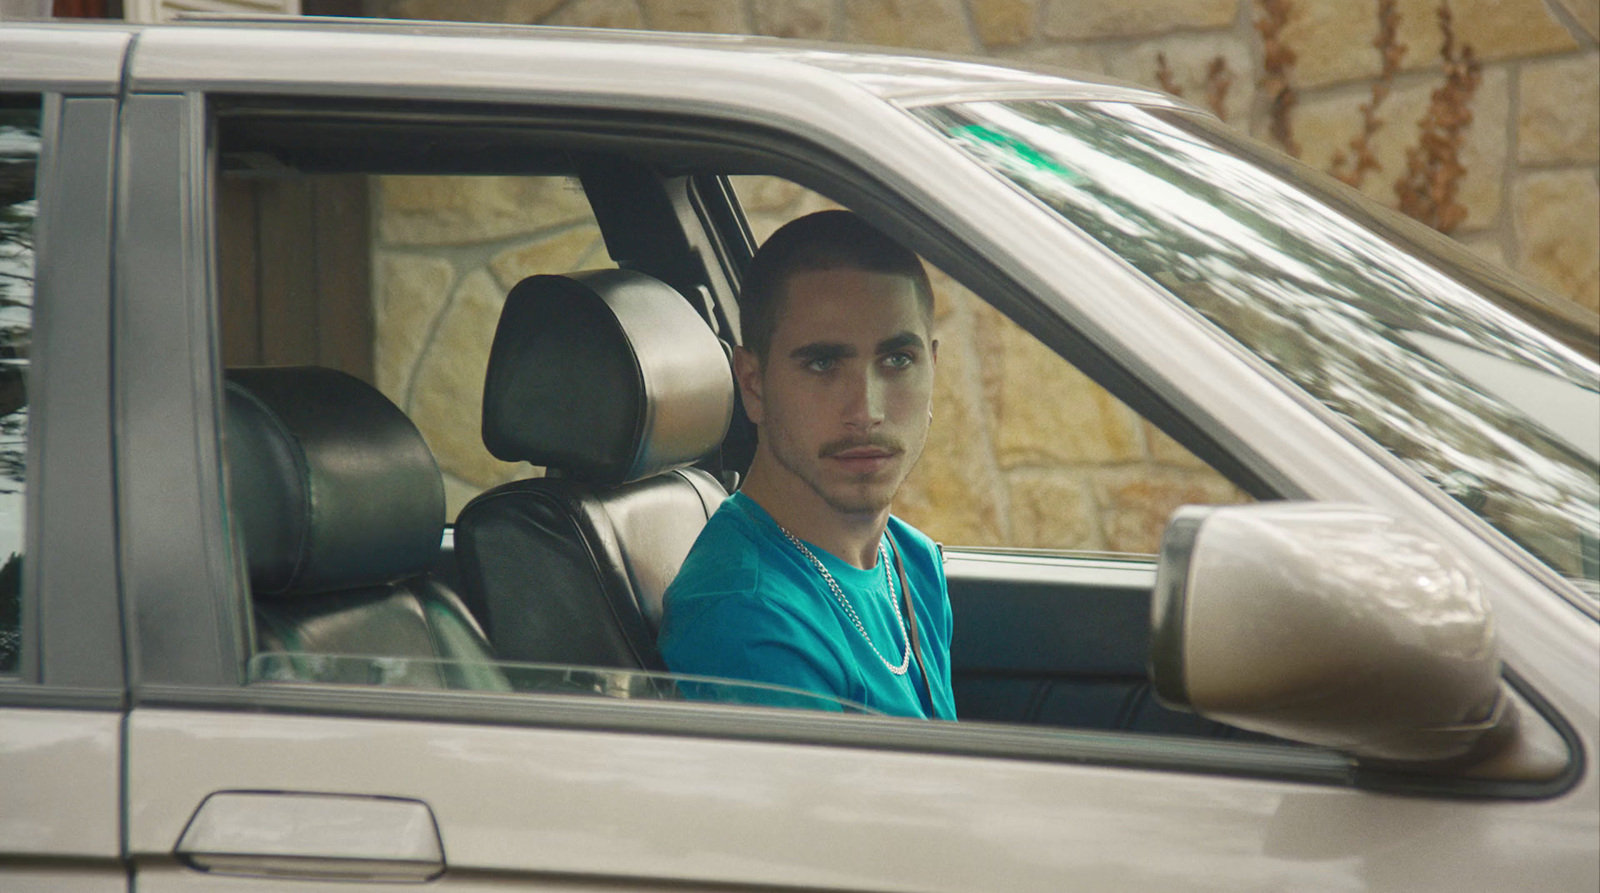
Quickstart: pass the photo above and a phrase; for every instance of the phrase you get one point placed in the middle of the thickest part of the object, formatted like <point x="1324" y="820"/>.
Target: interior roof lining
<point x="402" y="138"/>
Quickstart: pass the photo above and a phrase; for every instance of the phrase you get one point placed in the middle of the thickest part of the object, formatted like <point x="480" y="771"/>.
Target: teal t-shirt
<point x="748" y="605"/>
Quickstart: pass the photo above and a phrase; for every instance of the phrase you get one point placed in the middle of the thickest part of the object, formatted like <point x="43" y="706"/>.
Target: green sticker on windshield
<point x="1018" y="150"/>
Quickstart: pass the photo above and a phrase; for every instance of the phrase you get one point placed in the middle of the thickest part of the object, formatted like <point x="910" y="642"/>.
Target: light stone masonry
<point x="1559" y="119"/>
<point x="1325" y="123"/>
<point x="801" y="19"/>
<point x="920" y="24"/>
<point x="516" y="12"/>
<point x="1054" y="509"/>
<point x="1068" y="57"/>
<point x="580" y="248"/>
<point x="1189" y="57"/>
<point x="1505" y="29"/>
<point x="447" y="399"/>
<point x="1033" y="432"/>
<point x="473" y="210"/>
<point x="409" y="294"/>
<point x="596" y="14"/>
<point x="1332" y="39"/>
<point x="705" y="16"/>
<point x="1136" y="502"/>
<point x="1097" y="19"/>
<point x="1586" y="13"/>
<point x="1489" y="246"/>
<point x="1004" y="23"/>
<point x="957" y="466"/>
<point x="1558" y="228"/>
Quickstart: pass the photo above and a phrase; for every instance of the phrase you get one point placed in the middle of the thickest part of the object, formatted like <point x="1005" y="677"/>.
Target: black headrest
<point x="331" y="485"/>
<point x="609" y="376"/>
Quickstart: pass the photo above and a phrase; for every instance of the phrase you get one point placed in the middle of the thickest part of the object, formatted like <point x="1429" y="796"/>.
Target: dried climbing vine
<point x="1164" y="76"/>
<point x="1353" y="167"/>
<point x="1427" y="190"/>
<point x="1276" y="61"/>
<point x="1219" y="80"/>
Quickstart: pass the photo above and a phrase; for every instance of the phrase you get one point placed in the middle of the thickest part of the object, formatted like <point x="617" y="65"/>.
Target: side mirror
<point x="1334" y="625"/>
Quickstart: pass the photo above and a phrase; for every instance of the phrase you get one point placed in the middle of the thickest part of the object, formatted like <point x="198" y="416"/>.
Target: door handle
<point x="325" y="836"/>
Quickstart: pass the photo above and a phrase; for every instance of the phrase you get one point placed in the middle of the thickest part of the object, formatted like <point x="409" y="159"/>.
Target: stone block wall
<point x="1531" y="153"/>
<point x="1004" y="468"/>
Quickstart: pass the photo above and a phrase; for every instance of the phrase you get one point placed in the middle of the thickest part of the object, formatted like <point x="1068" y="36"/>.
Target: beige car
<point x="290" y="311"/>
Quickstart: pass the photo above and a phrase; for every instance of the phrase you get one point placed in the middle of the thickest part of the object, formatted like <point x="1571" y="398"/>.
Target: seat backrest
<point x="611" y="381"/>
<point x="340" y="507"/>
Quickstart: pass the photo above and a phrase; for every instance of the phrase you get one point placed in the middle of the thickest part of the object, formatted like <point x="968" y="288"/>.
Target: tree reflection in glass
<point x="19" y="153"/>
<point x="1382" y="338"/>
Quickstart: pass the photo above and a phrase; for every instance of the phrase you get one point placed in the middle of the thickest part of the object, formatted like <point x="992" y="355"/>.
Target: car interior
<point x="615" y="382"/>
<point x="339" y="506"/>
<point x="612" y="383"/>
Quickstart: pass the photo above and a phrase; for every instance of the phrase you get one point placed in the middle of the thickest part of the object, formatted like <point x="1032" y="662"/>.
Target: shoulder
<point x="744" y="605"/>
<point x="736" y="556"/>
<point x="724" y="559"/>
<point x="913" y="542"/>
<point x="924" y="563"/>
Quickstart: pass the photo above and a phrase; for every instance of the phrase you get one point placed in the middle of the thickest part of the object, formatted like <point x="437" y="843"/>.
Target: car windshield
<point x="1494" y="411"/>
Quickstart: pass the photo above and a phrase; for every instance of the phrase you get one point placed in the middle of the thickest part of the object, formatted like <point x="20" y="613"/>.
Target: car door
<point x="61" y="675"/>
<point x="240" y="782"/>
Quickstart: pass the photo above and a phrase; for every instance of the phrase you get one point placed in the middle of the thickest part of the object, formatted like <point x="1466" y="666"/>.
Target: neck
<point x="853" y="537"/>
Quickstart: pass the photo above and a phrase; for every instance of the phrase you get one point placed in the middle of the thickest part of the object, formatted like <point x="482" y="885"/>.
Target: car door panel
<point x="546" y="808"/>
<point x="61" y="791"/>
<point x="692" y="804"/>
<point x="1057" y="640"/>
<point x="61" y="700"/>
<point x="51" y="878"/>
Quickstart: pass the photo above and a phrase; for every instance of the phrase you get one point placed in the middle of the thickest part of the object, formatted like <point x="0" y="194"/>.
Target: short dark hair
<point x="826" y="240"/>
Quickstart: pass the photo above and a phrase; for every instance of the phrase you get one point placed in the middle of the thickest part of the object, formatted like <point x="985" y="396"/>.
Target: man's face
<point x="843" y="398"/>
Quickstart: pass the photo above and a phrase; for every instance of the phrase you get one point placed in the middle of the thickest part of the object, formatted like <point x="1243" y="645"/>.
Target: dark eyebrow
<point x="822" y="350"/>
<point x="899" y="341"/>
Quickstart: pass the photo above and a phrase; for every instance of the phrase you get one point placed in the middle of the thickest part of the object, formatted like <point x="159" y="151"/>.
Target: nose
<point x="864" y="403"/>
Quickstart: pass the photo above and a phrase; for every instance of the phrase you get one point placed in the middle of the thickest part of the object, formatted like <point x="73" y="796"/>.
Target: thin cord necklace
<point x="850" y="611"/>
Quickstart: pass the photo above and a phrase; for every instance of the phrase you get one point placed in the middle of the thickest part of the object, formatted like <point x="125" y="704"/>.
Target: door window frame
<point x="71" y="616"/>
<point x="170" y="275"/>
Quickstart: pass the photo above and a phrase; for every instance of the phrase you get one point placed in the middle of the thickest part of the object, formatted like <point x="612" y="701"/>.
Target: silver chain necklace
<point x="850" y="611"/>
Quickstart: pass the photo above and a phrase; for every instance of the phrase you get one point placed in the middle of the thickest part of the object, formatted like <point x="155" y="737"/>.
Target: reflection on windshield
<point x="19" y="154"/>
<point x="527" y="678"/>
<point x="1324" y="300"/>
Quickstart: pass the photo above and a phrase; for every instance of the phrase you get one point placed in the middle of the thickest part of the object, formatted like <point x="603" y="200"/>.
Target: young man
<point x="801" y="578"/>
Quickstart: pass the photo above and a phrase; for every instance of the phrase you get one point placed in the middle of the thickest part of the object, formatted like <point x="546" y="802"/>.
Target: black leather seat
<point x="340" y="507"/>
<point x="612" y="382"/>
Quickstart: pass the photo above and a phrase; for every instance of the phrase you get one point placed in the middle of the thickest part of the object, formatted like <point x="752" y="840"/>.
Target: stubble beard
<point x="861" y="496"/>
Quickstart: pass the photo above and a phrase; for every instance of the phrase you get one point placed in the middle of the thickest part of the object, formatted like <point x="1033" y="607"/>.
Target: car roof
<point x="225" y="52"/>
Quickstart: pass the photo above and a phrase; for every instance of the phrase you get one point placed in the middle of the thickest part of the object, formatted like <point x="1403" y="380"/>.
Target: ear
<point x="747" y="372"/>
<point x="933" y="351"/>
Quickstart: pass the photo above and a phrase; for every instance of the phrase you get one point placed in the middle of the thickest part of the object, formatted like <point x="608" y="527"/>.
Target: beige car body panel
<point x="522" y="805"/>
<point x="541" y="805"/>
<point x="61" y="790"/>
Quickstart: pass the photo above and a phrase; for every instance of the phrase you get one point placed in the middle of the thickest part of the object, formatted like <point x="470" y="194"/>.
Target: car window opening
<point x="306" y="236"/>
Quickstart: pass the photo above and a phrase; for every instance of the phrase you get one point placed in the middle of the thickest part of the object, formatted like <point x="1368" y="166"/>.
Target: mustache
<point x="881" y="441"/>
